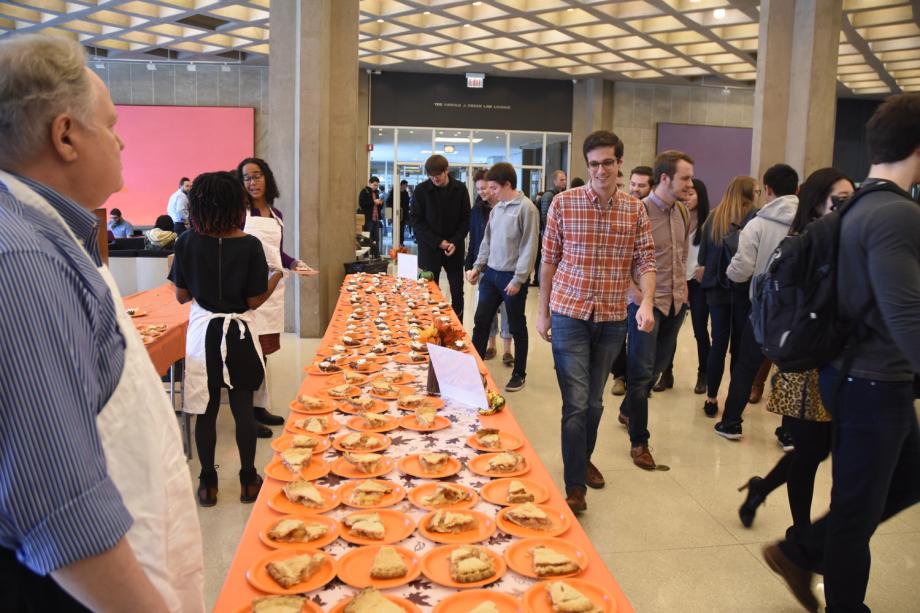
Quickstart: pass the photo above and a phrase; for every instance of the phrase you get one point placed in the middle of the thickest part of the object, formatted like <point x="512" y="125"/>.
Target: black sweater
<point x="438" y="214"/>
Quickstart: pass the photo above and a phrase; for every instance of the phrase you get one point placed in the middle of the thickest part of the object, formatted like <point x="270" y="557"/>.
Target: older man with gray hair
<point x="96" y="505"/>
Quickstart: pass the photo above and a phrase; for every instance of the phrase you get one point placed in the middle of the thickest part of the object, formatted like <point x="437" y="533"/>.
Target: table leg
<point x="186" y="425"/>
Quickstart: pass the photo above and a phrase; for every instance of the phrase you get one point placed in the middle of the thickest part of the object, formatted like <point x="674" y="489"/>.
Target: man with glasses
<point x="440" y="217"/>
<point x="597" y="238"/>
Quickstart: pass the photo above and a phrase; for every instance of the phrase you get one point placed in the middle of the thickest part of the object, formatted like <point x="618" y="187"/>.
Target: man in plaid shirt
<point x="597" y="238"/>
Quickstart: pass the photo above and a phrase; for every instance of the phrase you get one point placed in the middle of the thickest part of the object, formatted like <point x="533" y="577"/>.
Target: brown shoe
<point x="619" y="387"/>
<point x="593" y="477"/>
<point x="490" y="353"/>
<point x="797" y="579"/>
<point x="508" y="359"/>
<point x="756" y="394"/>
<point x="642" y="457"/>
<point x="624" y="421"/>
<point x="575" y="498"/>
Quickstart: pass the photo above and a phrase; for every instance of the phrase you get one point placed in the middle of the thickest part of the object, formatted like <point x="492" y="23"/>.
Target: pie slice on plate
<point x="297" y="531"/>
<point x="470" y="564"/>
<point x="529" y="515"/>
<point x="506" y="462"/>
<point x="446" y="494"/>
<point x="369" y="492"/>
<point x="367" y="526"/>
<point x="364" y="462"/>
<point x="296" y="458"/>
<point x="291" y="571"/>
<point x="548" y="562"/>
<point x="303" y="492"/>
<point x="369" y="600"/>
<point x="566" y="599"/>
<point x="278" y="604"/>
<point x="433" y="462"/>
<point x="388" y="564"/>
<point x="489" y="438"/>
<point x="518" y="493"/>
<point x="448" y="522"/>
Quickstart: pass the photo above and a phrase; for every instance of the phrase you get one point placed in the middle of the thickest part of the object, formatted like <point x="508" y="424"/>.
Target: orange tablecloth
<point x="237" y="592"/>
<point x="162" y="308"/>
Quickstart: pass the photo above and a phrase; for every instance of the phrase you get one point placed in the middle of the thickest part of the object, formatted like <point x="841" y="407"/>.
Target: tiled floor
<point x="672" y="539"/>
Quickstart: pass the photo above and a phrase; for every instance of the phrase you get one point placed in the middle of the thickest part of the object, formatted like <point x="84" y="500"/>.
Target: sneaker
<point x="730" y="431"/>
<point x="514" y="384"/>
<point x="619" y="387"/>
<point x="784" y="439"/>
<point x="711" y="409"/>
<point x="700" y="387"/>
<point x="665" y="381"/>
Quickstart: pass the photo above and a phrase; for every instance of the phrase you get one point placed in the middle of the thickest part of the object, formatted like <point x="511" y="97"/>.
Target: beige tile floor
<point x="672" y="539"/>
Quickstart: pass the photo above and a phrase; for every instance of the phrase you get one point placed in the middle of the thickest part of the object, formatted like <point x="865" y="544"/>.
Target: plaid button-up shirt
<point x="596" y="247"/>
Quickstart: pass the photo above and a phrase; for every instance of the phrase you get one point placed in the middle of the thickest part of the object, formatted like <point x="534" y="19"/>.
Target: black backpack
<point x="794" y="305"/>
<point x="728" y="250"/>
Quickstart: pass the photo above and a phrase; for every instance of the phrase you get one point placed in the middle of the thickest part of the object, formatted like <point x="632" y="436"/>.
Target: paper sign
<point x="407" y="266"/>
<point x="458" y="377"/>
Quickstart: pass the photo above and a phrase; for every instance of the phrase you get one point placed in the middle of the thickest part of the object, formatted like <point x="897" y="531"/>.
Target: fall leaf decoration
<point x="397" y="250"/>
<point x="441" y="334"/>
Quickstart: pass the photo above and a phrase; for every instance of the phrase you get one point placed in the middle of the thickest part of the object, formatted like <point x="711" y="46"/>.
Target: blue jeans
<point x="649" y="355"/>
<point x="493" y="329"/>
<point x="876" y="472"/>
<point x="492" y="294"/>
<point x="583" y="352"/>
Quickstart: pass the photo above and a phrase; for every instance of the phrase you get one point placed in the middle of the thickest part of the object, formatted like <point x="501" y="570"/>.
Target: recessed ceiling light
<point x="466" y="25"/>
<point x="570" y="10"/>
<point x="427" y="13"/>
<point x="381" y="20"/>
<point x="719" y="13"/>
<point x="477" y="3"/>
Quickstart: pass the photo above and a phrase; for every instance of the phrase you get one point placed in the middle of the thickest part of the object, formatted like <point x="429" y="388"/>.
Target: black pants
<point x="876" y="471"/>
<point x="745" y="365"/>
<point x="492" y="294"/>
<point x="25" y="592"/>
<point x="699" y="317"/>
<point x="728" y="321"/>
<point x="453" y="266"/>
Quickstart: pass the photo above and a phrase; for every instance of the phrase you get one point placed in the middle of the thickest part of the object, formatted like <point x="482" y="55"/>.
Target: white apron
<point x="144" y="458"/>
<point x="269" y="317"/>
<point x="195" y="386"/>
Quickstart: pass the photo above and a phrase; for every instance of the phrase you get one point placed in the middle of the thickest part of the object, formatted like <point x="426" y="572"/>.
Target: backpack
<point x="794" y="310"/>
<point x="728" y="250"/>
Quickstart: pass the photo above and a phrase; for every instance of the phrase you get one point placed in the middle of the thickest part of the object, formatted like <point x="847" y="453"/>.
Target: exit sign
<point x="475" y="79"/>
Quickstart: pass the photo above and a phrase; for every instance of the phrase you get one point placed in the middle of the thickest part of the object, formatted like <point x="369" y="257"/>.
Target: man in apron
<point x="94" y="487"/>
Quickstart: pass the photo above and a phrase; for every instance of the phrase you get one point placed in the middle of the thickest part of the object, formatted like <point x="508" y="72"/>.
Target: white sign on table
<point x="407" y="266"/>
<point x="458" y="376"/>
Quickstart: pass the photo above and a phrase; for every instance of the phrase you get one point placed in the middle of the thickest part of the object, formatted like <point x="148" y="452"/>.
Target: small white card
<point x="407" y="266"/>
<point x="458" y="376"/>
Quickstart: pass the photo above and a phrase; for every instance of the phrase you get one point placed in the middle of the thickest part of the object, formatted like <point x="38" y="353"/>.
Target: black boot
<point x="250" y="484"/>
<point x="665" y="382"/>
<point x="754" y="499"/>
<point x="269" y="419"/>
<point x="207" y="488"/>
<point x="700" y="387"/>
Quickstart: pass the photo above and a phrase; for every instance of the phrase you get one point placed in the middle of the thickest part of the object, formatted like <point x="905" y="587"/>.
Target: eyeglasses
<point x="257" y="176"/>
<point x="607" y="164"/>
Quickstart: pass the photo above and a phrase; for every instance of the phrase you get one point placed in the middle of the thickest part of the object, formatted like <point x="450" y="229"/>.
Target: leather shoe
<point x="249" y="489"/>
<point x="797" y="579"/>
<point x="619" y="387"/>
<point x="575" y="498"/>
<point x="700" y="387"/>
<point x="642" y="457"/>
<point x="490" y="353"/>
<point x="624" y="421"/>
<point x="665" y="381"/>
<point x="263" y="432"/>
<point x="756" y="394"/>
<point x="269" y="419"/>
<point x="593" y="477"/>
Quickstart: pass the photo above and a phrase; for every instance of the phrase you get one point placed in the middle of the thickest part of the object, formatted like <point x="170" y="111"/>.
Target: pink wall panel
<point x="164" y="143"/>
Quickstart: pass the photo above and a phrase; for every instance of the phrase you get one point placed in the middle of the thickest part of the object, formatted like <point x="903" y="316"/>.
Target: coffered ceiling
<point x="661" y="40"/>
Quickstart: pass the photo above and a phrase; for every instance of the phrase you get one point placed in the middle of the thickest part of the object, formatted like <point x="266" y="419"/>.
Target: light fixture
<point x="477" y="3"/>
<point x="449" y="149"/>
<point x="191" y="68"/>
<point x="151" y="66"/>
<point x="225" y="68"/>
<point x="99" y="66"/>
<point x="719" y="13"/>
<point x="466" y="25"/>
<point x="380" y="21"/>
<point x="427" y="13"/>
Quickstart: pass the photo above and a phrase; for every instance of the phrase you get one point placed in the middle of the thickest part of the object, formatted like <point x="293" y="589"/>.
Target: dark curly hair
<point x="216" y="203"/>
<point x="271" y="188"/>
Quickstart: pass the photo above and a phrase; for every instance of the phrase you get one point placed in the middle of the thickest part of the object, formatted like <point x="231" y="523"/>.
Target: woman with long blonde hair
<point x="729" y="304"/>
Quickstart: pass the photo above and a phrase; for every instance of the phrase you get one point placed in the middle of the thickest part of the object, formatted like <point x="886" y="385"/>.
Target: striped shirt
<point x="61" y="357"/>
<point x="596" y="247"/>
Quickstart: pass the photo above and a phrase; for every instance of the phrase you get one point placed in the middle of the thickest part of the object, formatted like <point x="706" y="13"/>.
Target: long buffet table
<point x="159" y="307"/>
<point x="421" y="593"/>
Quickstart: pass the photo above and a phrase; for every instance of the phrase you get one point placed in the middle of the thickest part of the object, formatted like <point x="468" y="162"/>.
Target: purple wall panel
<point x="720" y="153"/>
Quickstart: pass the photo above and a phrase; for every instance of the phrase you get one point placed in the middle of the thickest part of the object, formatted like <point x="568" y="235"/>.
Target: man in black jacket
<point x="440" y="217"/>
<point x="369" y="202"/>
<point x="404" y="198"/>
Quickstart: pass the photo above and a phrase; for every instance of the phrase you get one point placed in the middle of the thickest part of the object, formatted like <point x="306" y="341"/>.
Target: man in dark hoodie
<point x="440" y="217"/>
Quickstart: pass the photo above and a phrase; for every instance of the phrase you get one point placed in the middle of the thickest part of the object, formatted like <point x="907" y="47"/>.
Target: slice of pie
<point x="278" y="604"/>
<point x="388" y="564"/>
<point x="357" y="440"/>
<point x="369" y="600"/>
<point x="297" y="531"/>
<point x="302" y="441"/>
<point x="393" y="376"/>
<point x="364" y="462"/>
<point x="312" y="424"/>
<point x="341" y="391"/>
<point x="470" y="564"/>
<point x="312" y="402"/>
<point x="384" y="388"/>
<point x="486" y="607"/>
<point x="566" y="599"/>
<point x="518" y="493"/>
<point x="305" y="493"/>
<point x="328" y="366"/>
<point x="548" y="562"/>
<point x="361" y="403"/>
<point x="489" y="438"/>
<point x="445" y="495"/>
<point x="369" y="492"/>
<point x="447" y="522"/>
<point x="426" y="416"/>
<point x="291" y="571"/>
<point x="367" y="526"/>
<point x="411" y="401"/>
<point x="296" y="458"/>
<point x="355" y="378"/>
<point x="374" y="420"/>
<point x="433" y="462"/>
<point x="506" y="462"/>
<point x="529" y="515"/>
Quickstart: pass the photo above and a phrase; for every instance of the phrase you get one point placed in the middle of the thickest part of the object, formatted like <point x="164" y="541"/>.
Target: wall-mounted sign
<point x="475" y="79"/>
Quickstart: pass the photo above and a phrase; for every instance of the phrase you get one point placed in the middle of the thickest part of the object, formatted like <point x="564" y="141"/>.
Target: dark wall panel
<point x="850" y="153"/>
<point x="431" y="100"/>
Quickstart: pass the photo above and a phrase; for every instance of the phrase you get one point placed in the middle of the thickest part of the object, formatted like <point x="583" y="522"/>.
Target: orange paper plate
<point x="339" y="379"/>
<point x="314" y="370"/>
<point x="353" y="391"/>
<point x="317" y="469"/>
<point x="327" y="351"/>
<point x="137" y="313"/>
<point x="400" y="390"/>
<point x="299" y="407"/>
<point x="344" y="468"/>
<point x="496" y="491"/>
<point x="355" y="568"/>
<point x="396" y="524"/>
<point x="357" y="423"/>
<point x="480" y="466"/>
<point x="346" y="407"/>
<point x="309" y="607"/>
<point x="429" y="402"/>
<point x="508" y="442"/>
<point x="394" y="497"/>
<point x="409" y="423"/>
<point x="331" y="525"/>
<point x="537" y="598"/>
<point x="284" y="441"/>
<point x="436" y="566"/>
<point x="370" y="367"/>
<point x="560" y="523"/>
<point x="331" y="426"/>
<point x="416" y="495"/>
<point x="404" y="379"/>
<point x="407" y="606"/>
<point x="463" y="602"/>
<point x="485" y="527"/>
<point x="412" y="465"/>
<point x="378" y="443"/>
<point x="280" y="503"/>
<point x="403" y="358"/>
<point x="520" y="561"/>
<point x="258" y="575"/>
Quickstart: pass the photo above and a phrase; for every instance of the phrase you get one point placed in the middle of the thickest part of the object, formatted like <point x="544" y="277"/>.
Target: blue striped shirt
<point x="61" y="356"/>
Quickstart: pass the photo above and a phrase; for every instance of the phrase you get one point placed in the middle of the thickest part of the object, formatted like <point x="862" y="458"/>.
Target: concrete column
<point x="592" y="109"/>
<point x="795" y="93"/>
<point x="314" y="106"/>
